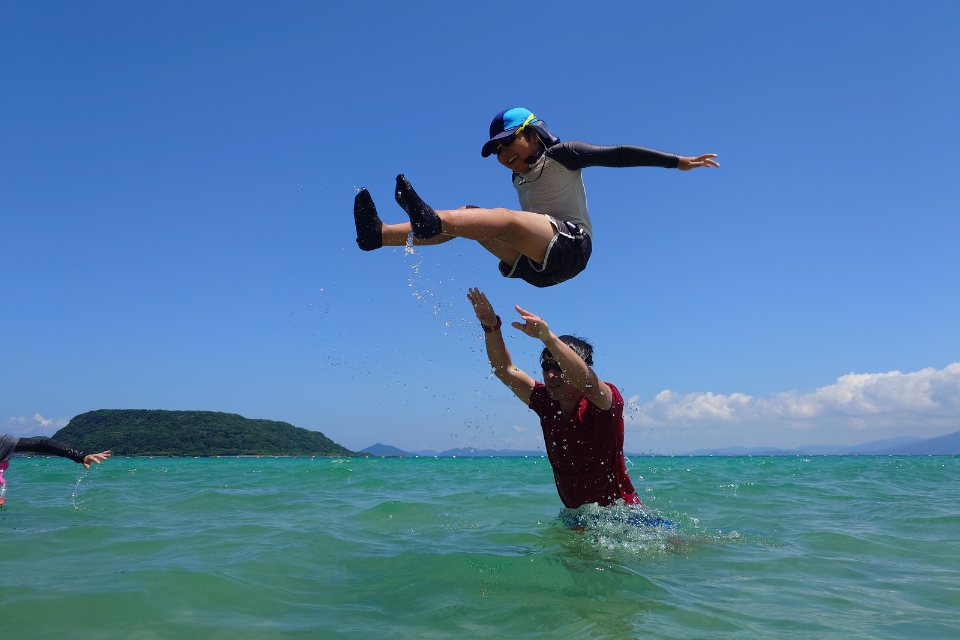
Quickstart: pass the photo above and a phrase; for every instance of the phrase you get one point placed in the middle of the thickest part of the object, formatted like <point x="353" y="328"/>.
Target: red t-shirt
<point x="585" y="449"/>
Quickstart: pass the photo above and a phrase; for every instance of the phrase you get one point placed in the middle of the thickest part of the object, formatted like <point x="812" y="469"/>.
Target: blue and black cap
<point x="511" y="122"/>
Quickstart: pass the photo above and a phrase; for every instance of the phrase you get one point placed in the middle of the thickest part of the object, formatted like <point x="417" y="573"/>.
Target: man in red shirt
<point x="581" y="416"/>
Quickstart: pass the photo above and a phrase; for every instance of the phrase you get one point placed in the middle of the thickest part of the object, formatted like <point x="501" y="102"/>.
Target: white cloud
<point x="858" y="407"/>
<point x="43" y="421"/>
<point x="35" y="426"/>
<point x="518" y="429"/>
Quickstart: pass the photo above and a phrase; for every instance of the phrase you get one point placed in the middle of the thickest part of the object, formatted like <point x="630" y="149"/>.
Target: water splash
<point x="76" y="493"/>
<point x="313" y="308"/>
<point x="480" y="424"/>
<point x="621" y="532"/>
<point x="440" y="294"/>
<point x="409" y="250"/>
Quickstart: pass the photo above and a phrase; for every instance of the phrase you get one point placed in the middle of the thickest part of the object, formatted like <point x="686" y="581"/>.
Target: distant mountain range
<point x="466" y="452"/>
<point x="902" y="446"/>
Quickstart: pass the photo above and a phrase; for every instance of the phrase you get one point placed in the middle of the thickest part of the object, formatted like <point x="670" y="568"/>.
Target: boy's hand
<point x="534" y="326"/>
<point x="482" y="307"/>
<point x="95" y="457"/>
<point x="706" y="160"/>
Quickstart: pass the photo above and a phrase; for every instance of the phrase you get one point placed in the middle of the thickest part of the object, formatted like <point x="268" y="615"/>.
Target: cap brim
<point x="491" y="145"/>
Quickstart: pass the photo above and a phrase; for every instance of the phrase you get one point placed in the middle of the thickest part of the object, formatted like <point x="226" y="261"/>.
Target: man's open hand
<point x="482" y="307"/>
<point x="533" y="325"/>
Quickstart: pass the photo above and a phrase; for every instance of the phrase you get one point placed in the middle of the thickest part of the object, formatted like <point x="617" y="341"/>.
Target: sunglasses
<point x="506" y="142"/>
<point x="546" y="366"/>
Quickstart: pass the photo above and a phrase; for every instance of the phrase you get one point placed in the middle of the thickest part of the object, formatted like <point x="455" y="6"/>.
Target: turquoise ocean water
<point x="852" y="547"/>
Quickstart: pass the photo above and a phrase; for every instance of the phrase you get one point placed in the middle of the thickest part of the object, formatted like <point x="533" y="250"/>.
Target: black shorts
<point x="567" y="256"/>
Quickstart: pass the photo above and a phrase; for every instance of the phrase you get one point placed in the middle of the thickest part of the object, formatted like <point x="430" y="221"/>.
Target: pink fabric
<point x="3" y="483"/>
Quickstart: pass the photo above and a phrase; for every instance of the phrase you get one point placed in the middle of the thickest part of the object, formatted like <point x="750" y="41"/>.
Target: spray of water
<point x="316" y="313"/>
<point x="75" y="495"/>
<point x="482" y="423"/>
<point x="623" y="532"/>
<point x="440" y="295"/>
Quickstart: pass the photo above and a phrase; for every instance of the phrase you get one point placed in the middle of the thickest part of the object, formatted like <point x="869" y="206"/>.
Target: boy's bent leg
<point x="395" y="235"/>
<point x="528" y="233"/>
<point x="502" y="250"/>
<point x="505" y="233"/>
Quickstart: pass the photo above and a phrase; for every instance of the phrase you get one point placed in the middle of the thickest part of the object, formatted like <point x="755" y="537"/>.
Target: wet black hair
<point x="580" y="347"/>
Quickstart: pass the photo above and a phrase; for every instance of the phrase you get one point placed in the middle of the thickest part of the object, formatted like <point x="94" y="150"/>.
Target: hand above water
<point x="95" y="457"/>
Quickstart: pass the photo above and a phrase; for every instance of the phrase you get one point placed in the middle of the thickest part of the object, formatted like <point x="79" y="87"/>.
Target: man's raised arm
<point x="519" y="381"/>
<point x="577" y="372"/>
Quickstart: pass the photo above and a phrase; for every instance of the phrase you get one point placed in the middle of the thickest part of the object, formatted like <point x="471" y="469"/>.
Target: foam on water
<point x="623" y="533"/>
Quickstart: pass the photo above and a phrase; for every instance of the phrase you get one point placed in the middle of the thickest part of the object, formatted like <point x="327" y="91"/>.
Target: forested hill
<point x="142" y="432"/>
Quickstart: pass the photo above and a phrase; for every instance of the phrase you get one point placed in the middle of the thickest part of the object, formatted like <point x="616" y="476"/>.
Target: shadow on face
<point x="513" y="155"/>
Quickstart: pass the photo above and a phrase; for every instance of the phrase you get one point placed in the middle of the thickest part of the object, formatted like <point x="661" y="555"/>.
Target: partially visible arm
<point x="576" y="371"/>
<point x="518" y="380"/>
<point x="50" y="447"/>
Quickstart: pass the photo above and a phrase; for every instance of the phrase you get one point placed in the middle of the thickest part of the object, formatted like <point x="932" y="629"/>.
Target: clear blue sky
<point x="176" y="187"/>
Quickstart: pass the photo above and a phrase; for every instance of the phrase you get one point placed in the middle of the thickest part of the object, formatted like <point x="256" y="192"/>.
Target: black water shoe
<point x="369" y="227"/>
<point x="423" y="219"/>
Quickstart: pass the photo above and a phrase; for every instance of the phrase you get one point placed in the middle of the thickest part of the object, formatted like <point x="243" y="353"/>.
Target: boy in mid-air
<point x="581" y="416"/>
<point x="551" y="239"/>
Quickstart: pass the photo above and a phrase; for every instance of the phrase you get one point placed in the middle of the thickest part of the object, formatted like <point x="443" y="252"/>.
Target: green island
<point x="143" y="432"/>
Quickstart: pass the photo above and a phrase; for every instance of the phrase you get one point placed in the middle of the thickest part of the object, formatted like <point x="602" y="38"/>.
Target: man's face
<point x="520" y="148"/>
<point x="557" y="385"/>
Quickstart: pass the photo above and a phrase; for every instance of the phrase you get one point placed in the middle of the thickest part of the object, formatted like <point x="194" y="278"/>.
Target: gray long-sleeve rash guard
<point x="554" y="183"/>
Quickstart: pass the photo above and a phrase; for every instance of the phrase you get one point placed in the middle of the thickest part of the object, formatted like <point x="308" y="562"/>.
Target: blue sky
<point x="176" y="185"/>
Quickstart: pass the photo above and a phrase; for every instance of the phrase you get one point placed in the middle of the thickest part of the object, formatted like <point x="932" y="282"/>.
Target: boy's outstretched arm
<point x="580" y="155"/>
<point x="577" y="372"/>
<point x="518" y="380"/>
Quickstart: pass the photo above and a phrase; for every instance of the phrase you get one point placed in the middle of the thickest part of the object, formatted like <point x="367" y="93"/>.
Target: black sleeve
<point x="578" y="155"/>
<point x="49" y="447"/>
